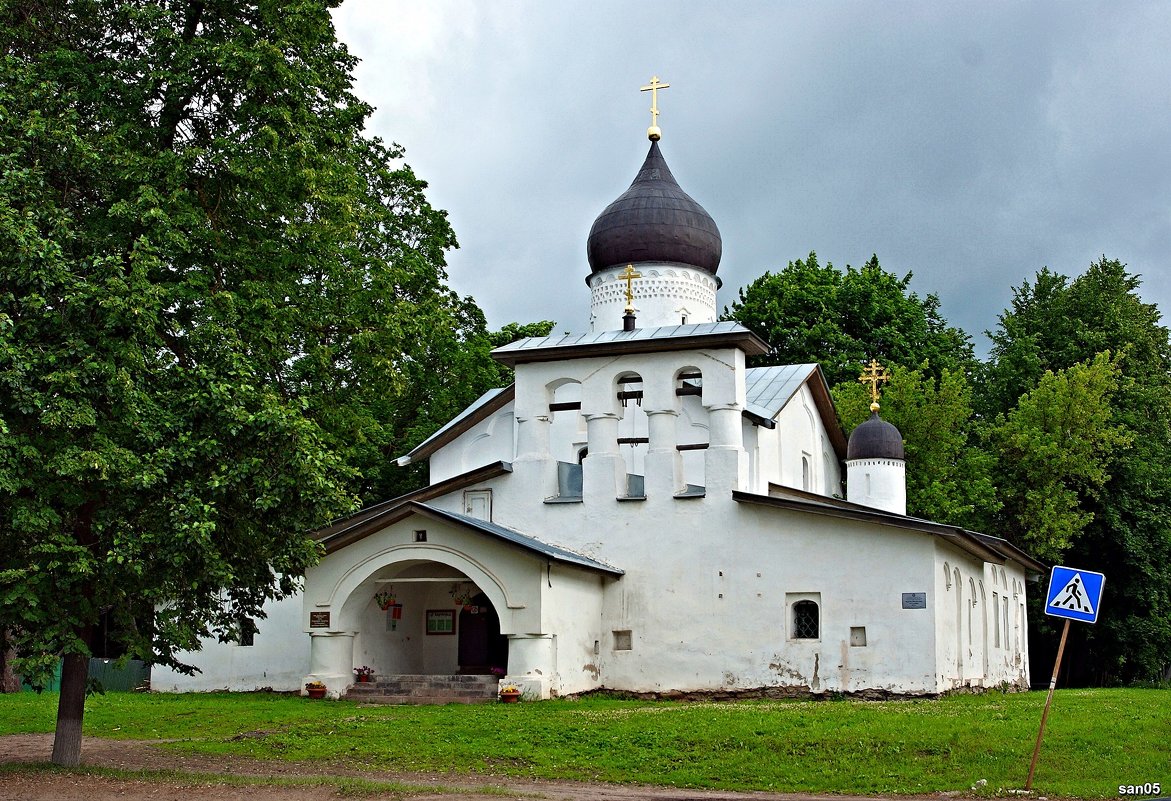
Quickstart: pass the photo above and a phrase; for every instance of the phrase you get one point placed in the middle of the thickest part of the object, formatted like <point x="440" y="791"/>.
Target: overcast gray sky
<point x="971" y="144"/>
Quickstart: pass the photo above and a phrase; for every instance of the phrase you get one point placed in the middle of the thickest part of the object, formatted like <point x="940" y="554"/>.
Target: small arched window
<point x="806" y="621"/>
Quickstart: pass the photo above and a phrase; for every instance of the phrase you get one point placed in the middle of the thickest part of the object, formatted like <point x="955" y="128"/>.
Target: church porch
<point x="460" y="598"/>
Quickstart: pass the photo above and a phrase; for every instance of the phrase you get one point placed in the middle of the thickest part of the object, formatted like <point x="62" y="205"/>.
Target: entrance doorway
<point x="482" y="648"/>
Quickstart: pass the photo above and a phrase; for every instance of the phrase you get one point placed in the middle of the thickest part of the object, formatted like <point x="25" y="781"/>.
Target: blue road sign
<point x="1074" y="594"/>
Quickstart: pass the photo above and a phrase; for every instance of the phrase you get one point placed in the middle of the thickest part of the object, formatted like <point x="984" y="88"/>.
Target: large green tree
<point x="1052" y="451"/>
<point x="808" y="312"/>
<point x="1055" y="323"/>
<point x="218" y="298"/>
<point x="813" y="313"/>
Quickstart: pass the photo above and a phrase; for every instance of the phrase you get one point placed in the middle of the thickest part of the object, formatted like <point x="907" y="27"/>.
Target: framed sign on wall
<point x="441" y="621"/>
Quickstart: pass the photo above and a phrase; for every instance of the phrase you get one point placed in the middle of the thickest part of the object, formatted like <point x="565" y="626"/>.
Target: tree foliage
<point x="807" y="312"/>
<point x="1060" y="445"/>
<point x="1054" y="324"/>
<point x="222" y="307"/>
<point x="1053" y="451"/>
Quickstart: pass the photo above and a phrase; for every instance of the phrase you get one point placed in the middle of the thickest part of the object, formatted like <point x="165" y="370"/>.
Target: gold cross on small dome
<point x="628" y="275"/>
<point x="654" y="133"/>
<point x="873" y="374"/>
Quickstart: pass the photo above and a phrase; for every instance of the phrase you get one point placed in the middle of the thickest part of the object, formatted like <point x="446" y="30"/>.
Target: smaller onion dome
<point x="875" y="439"/>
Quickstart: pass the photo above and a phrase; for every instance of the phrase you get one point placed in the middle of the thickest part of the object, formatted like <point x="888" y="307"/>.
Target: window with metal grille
<point x="247" y="636"/>
<point x="805" y="621"/>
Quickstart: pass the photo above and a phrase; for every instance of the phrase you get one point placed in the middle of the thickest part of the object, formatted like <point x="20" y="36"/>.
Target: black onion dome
<point x="875" y="439"/>
<point x="654" y="221"/>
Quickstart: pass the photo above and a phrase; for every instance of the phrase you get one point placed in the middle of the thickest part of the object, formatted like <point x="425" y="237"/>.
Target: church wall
<point x="572" y="616"/>
<point x="278" y="658"/>
<point x="802" y="455"/>
<point x="1006" y="623"/>
<point x="488" y="441"/>
<point x="684" y="636"/>
<point x="975" y="647"/>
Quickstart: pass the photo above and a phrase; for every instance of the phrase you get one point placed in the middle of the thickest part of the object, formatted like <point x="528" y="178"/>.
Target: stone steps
<point x="425" y="689"/>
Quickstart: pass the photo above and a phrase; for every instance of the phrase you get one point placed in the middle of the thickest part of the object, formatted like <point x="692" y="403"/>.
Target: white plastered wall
<point x="967" y="651"/>
<point x="716" y="615"/>
<point x="488" y="441"/>
<point x="800" y="434"/>
<point x="878" y="483"/>
<point x="277" y="659"/>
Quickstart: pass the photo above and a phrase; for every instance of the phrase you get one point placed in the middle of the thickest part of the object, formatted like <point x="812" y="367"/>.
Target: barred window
<point x="247" y="636"/>
<point x="806" y="623"/>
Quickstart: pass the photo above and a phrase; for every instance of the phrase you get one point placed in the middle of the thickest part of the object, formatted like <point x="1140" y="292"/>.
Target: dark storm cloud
<point x="970" y="144"/>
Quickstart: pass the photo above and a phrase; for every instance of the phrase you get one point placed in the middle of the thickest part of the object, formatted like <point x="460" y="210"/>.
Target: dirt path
<point x="137" y="755"/>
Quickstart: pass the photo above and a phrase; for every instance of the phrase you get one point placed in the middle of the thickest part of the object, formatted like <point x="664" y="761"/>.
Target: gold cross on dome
<point x="655" y="85"/>
<point x="873" y="374"/>
<point x="628" y="275"/>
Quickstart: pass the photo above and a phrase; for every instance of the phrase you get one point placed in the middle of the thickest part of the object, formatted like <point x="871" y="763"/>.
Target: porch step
<point x="425" y="689"/>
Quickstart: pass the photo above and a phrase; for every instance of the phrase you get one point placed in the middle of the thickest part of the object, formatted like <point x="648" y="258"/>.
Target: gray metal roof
<point x="637" y="335"/>
<point x="554" y="552"/>
<point x="426" y="446"/>
<point x="770" y="388"/>
<point x="984" y="546"/>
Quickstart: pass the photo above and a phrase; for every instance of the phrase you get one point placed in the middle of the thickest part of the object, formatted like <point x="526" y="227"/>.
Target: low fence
<point x="134" y="675"/>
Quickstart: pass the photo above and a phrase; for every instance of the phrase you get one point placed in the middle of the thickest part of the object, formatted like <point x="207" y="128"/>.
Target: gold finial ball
<point x="874" y="406"/>
<point x="654" y="133"/>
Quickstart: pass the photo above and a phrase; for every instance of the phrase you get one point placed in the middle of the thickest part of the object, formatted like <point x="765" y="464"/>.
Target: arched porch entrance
<point x="419" y="617"/>
<point x="393" y="598"/>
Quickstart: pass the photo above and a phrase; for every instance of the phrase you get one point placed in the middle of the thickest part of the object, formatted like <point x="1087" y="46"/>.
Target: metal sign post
<point x="1074" y="595"/>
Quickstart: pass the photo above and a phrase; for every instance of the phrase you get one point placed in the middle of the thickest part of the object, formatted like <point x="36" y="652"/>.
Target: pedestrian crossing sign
<point x="1074" y="594"/>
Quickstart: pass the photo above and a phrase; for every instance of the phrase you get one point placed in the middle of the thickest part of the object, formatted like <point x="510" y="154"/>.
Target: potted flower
<point x="461" y="594"/>
<point x="364" y="673"/>
<point x="384" y="599"/>
<point x="509" y="694"/>
<point x="316" y="689"/>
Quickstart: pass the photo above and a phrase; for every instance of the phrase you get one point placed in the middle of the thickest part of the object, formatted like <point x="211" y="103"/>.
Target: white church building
<point x="642" y="512"/>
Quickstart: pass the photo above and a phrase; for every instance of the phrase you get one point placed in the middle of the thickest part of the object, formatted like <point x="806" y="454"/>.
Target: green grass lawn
<point x="1095" y="741"/>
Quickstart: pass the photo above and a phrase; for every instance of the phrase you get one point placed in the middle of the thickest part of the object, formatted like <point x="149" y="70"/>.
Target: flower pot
<point x="315" y="692"/>
<point x="364" y="677"/>
<point x="509" y="698"/>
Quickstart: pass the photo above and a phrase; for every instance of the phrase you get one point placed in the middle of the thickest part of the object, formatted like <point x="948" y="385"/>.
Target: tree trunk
<point x="75" y="667"/>
<point x="70" y="709"/>
<point x="11" y="682"/>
